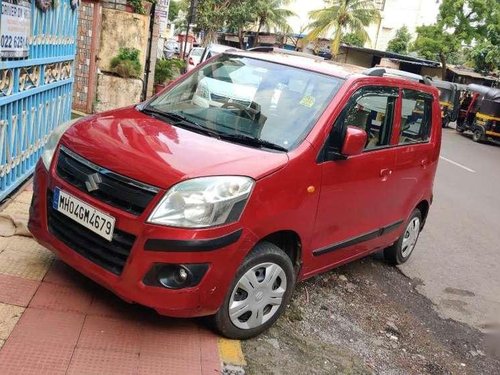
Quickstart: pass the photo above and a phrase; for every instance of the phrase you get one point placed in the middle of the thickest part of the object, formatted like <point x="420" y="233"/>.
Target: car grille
<point x="111" y="256"/>
<point x="225" y="99"/>
<point x="113" y="189"/>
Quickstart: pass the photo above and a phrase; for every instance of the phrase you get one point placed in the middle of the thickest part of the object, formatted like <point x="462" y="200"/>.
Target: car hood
<point x="138" y="146"/>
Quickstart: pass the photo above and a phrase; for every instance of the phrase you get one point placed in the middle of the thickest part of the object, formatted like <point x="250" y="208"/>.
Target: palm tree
<point x="271" y="15"/>
<point x="342" y="16"/>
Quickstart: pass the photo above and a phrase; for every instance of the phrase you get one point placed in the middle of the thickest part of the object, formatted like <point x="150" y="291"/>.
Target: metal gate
<point x="36" y="91"/>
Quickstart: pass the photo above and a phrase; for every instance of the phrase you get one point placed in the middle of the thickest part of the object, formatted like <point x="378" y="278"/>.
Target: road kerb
<point x="230" y="352"/>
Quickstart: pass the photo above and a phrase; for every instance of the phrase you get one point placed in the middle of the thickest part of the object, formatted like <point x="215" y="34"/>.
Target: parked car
<point x="326" y="53"/>
<point x="171" y="49"/>
<point x="194" y="57"/>
<point x="198" y="210"/>
<point x="214" y="50"/>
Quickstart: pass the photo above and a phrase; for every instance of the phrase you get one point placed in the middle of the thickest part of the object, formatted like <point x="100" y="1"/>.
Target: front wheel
<point x="402" y="249"/>
<point x="257" y="297"/>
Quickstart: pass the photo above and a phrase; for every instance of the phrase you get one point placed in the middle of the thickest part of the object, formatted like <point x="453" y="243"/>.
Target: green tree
<point x="433" y="41"/>
<point x="353" y="39"/>
<point x="341" y="17"/>
<point x="240" y="17"/>
<point x="272" y="15"/>
<point x="173" y="10"/>
<point x="400" y="42"/>
<point x="212" y="16"/>
<point x="485" y="55"/>
<point x="459" y="23"/>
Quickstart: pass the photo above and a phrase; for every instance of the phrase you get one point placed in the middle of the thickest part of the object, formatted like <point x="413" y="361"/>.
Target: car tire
<point x="478" y="135"/>
<point x="239" y="320"/>
<point x="402" y="249"/>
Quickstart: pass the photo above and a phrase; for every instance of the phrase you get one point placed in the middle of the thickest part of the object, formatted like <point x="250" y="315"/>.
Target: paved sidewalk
<point x="55" y="321"/>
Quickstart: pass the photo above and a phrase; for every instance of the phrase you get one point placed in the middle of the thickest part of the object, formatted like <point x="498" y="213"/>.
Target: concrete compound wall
<point x="104" y="27"/>
<point x="115" y="92"/>
<point x="122" y="29"/>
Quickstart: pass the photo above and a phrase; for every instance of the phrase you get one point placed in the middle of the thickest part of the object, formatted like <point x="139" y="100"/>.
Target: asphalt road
<point x="457" y="258"/>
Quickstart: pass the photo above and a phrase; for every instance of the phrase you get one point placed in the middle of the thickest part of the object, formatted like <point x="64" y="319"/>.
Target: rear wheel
<point x="478" y="135"/>
<point x="258" y="295"/>
<point x="402" y="249"/>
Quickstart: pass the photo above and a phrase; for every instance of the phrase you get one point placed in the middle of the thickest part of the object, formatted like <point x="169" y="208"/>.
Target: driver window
<point x="415" y="117"/>
<point x="372" y="109"/>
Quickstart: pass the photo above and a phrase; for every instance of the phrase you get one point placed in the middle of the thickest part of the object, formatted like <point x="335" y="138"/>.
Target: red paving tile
<point x="62" y="298"/>
<point x="168" y="364"/>
<point x="34" y="358"/>
<point x="165" y="335"/>
<point x="101" y="333"/>
<point x="103" y="362"/>
<point x="210" y="362"/>
<point x="73" y="326"/>
<point x="47" y="327"/>
<point x="17" y="291"/>
<point x="62" y="274"/>
<point x="109" y="305"/>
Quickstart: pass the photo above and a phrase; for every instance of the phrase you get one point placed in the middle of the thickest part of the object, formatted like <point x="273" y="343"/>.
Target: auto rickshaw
<point x="449" y="99"/>
<point x="480" y="113"/>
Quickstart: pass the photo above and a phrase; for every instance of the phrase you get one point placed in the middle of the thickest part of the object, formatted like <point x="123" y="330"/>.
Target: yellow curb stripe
<point x="230" y="352"/>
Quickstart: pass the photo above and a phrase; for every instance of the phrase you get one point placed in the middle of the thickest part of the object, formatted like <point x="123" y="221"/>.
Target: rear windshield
<point x="244" y="96"/>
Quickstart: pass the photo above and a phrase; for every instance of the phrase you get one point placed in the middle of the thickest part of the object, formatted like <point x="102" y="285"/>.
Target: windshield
<point x="240" y="98"/>
<point x="445" y="95"/>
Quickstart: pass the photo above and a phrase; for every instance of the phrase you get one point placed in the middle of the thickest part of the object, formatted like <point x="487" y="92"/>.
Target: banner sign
<point x="15" y="28"/>
<point x="162" y="8"/>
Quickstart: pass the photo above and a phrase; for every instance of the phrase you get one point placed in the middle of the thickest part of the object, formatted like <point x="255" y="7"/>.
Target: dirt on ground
<point x="368" y="318"/>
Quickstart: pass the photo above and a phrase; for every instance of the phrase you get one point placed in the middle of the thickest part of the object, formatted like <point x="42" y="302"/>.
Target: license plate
<point x="84" y="214"/>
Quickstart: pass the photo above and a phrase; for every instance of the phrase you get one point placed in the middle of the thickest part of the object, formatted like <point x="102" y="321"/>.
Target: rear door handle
<point x="385" y="173"/>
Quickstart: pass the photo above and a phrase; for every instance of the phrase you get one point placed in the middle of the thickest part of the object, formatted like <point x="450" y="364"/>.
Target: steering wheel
<point x="250" y="112"/>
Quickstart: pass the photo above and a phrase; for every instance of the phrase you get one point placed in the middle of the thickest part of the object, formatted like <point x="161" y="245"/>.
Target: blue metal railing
<point x="36" y="92"/>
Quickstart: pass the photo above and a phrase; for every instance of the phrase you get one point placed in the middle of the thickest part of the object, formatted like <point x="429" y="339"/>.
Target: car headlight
<point x="203" y="202"/>
<point x="53" y="141"/>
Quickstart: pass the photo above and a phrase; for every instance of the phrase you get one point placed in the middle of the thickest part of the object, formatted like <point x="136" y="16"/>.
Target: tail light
<point x="190" y="61"/>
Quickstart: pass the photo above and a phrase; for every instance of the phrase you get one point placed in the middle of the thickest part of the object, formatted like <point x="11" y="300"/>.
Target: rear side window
<point x="416" y="117"/>
<point x="371" y="109"/>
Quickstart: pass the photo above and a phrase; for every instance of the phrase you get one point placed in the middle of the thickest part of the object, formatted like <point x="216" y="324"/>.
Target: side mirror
<point x="354" y="141"/>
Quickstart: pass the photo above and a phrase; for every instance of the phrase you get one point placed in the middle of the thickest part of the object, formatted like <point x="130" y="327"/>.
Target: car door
<point x="417" y="154"/>
<point x="356" y="209"/>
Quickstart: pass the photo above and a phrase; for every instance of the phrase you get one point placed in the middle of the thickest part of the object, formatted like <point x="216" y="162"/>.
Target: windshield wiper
<point x="180" y="120"/>
<point x="252" y="141"/>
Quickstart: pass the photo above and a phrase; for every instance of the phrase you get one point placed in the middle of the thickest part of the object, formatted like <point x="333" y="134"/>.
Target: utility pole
<point x="190" y="21"/>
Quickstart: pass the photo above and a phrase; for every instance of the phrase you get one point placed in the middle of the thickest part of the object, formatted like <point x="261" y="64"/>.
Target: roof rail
<point x="269" y="49"/>
<point x="381" y="72"/>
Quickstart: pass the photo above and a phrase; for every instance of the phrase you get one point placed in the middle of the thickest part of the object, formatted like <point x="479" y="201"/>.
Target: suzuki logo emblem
<point x="93" y="181"/>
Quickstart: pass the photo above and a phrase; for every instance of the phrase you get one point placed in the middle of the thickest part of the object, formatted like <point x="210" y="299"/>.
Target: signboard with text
<point x="162" y="8"/>
<point x="15" y="28"/>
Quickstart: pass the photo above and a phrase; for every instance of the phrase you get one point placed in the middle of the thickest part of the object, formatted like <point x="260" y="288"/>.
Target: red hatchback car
<point x="253" y="172"/>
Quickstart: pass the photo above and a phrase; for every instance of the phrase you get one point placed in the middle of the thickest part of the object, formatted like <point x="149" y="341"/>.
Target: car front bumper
<point x="221" y="249"/>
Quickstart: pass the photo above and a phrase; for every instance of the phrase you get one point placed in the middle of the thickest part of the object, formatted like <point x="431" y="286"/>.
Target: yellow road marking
<point x="230" y="352"/>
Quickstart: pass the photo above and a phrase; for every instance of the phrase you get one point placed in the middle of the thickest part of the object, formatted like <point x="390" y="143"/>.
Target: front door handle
<point x="385" y="173"/>
<point x="424" y="163"/>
